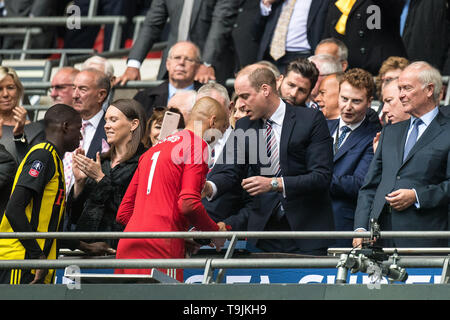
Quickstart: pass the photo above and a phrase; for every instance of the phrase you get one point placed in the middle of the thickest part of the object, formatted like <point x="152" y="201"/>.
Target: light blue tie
<point x="412" y="137"/>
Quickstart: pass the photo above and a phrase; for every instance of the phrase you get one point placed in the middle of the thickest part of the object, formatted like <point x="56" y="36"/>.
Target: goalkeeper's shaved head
<point x="206" y="107"/>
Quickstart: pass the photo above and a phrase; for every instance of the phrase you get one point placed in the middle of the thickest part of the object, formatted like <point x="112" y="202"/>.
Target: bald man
<point x="328" y="97"/>
<point x="171" y="172"/>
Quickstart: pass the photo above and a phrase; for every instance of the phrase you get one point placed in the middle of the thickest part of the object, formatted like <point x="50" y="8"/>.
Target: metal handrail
<point x="215" y="263"/>
<point x="226" y="235"/>
<point x="210" y="264"/>
<point x="117" y="21"/>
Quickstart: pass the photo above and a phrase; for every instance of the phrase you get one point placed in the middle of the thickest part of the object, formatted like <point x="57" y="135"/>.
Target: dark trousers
<point x="283" y="245"/>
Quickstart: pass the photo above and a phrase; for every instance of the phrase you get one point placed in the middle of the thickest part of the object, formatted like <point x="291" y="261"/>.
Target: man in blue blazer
<point x="353" y="135"/>
<point x="407" y="187"/>
<point x="285" y="170"/>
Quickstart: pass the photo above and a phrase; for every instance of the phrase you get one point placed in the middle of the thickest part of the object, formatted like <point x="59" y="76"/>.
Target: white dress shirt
<point x="296" y="39"/>
<point x="90" y="129"/>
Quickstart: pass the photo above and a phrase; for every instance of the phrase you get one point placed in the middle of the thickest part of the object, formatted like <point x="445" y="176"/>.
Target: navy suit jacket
<point x="426" y="169"/>
<point x="229" y="203"/>
<point x="306" y="162"/>
<point x="96" y="143"/>
<point x="351" y="163"/>
<point x="315" y="25"/>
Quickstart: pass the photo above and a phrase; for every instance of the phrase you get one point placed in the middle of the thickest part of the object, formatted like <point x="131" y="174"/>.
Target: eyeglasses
<point x="59" y="87"/>
<point x="181" y="58"/>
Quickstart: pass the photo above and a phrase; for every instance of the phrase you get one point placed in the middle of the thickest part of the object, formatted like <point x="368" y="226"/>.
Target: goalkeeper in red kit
<point x="165" y="192"/>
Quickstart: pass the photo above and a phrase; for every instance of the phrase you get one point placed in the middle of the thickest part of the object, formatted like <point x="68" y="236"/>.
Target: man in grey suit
<point x="407" y="187"/>
<point x="207" y="23"/>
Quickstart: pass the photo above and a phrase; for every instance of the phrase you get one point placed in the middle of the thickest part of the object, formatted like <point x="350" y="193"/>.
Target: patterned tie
<point x="211" y="160"/>
<point x="272" y="149"/>
<point x="67" y="162"/>
<point x="185" y="20"/>
<point x="278" y="44"/>
<point x="412" y="137"/>
<point x="344" y="131"/>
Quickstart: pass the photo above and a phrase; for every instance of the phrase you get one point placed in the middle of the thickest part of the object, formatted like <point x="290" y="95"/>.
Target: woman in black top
<point x="101" y="184"/>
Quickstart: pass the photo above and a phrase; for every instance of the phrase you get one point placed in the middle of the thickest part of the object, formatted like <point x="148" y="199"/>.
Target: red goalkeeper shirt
<point x="165" y="195"/>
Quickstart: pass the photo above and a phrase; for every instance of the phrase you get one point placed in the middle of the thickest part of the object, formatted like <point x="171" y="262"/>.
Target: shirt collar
<point x="173" y="90"/>
<point x="352" y="126"/>
<point x="95" y="120"/>
<point x="427" y="117"/>
<point x="278" y="116"/>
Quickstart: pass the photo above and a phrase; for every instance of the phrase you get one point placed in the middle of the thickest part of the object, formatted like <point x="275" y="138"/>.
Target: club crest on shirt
<point x="36" y="168"/>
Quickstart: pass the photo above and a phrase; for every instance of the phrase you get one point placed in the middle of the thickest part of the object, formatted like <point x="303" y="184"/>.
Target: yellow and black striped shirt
<point x="41" y="171"/>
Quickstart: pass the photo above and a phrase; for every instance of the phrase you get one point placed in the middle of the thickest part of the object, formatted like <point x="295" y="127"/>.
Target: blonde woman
<point x="17" y="133"/>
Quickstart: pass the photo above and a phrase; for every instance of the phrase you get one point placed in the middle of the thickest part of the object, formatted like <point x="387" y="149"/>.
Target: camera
<point x="370" y="259"/>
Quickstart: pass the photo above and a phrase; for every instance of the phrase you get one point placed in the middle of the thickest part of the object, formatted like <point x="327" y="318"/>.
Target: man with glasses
<point x="61" y="89"/>
<point x="182" y="63"/>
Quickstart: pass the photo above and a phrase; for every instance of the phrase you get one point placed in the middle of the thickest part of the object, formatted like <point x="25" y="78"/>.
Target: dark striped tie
<point x="272" y="149"/>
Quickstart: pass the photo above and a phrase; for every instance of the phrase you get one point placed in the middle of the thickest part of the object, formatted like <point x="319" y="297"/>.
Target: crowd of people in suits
<point x="305" y="149"/>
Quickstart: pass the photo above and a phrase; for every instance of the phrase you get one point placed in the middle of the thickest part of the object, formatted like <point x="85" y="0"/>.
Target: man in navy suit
<point x="90" y="90"/>
<point x="353" y="135"/>
<point x="304" y="30"/>
<point x="407" y="187"/>
<point x="283" y="160"/>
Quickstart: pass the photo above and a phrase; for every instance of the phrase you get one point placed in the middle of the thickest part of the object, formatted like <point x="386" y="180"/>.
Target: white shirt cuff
<point x="214" y="191"/>
<point x="134" y="64"/>
<point x="265" y="10"/>
<point x="417" y="203"/>
<point x="284" y="189"/>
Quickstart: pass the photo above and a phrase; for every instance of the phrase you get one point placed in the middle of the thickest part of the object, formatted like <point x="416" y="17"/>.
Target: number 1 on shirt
<point x="152" y="171"/>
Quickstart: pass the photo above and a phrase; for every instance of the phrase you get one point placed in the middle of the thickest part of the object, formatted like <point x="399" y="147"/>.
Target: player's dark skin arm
<point x="15" y="212"/>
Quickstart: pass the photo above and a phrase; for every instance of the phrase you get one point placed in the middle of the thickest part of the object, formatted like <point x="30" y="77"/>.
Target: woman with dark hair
<point x="153" y="127"/>
<point x="17" y="133"/>
<point x="100" y="184"/>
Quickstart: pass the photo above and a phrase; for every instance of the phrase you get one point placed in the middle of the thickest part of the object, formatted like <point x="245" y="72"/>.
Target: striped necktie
<point x="272" y="149"/>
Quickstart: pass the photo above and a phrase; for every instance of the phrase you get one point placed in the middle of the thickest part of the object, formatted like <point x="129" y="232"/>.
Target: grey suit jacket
<point x="210" y="28"/>
<point x="426" y="169"/>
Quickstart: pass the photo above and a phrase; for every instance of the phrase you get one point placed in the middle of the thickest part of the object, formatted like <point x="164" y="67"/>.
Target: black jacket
<point x="156" y="96"/>
<point x="427" y="19"/>
<point x="96" y="207"/>
<point x="7" y="172"/>
<point x="369" y="44"/>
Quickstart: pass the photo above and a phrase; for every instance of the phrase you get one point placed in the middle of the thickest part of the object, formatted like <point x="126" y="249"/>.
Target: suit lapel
<point x="195" y="12"/>
<point x="355" y="6"/>
<point x="332" y="125"/>
<point x="96" y="143"/>
<point x="315" y="6"/>
<point x="352" y="139"/>
<point x="427" y="137"/>
<point x="286" y="131"/>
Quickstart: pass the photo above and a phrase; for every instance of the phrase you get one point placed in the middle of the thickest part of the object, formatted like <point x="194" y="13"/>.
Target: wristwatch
<point x="20" y="138"/>
<point x="274" y="184"/>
